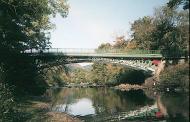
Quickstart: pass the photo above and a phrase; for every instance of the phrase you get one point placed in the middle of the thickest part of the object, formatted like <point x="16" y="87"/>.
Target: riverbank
<point x="173" y="78"/>
<point x="89" y="104"/>
<point x="128" y="87"/>
<point x="39" y="109"/>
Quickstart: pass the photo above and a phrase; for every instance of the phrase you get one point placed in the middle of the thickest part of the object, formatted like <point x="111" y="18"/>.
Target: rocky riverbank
<point x="127" y="87"/>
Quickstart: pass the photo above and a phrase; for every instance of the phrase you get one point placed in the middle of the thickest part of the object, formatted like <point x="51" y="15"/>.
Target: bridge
<point x="92" y="53"/>
<point x="136" y="59"/>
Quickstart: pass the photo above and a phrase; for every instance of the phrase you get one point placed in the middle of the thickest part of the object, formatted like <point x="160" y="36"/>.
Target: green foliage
<point x="142" y="29"/>
<point x="176" y="3"/>
<point x="104" y="73"/>
<point x="167" y="30"/>
<point x="79" y="76"/>
<point x="23" y="73"/>
<point x="100" y="73"/>
<point x="105" y="46"/>
<point x="24" y="24"/>
<point x="55" y="76"/>
<point x="7" y="103"/>
<point x="169" y="34"/>
<point x="175" y="77"/>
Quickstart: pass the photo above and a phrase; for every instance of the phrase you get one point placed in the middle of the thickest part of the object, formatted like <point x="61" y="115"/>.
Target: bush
<point x="175" y="77"/>
<point x="7" y="103"/>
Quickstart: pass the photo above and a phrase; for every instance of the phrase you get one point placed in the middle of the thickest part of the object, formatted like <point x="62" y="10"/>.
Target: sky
<point x="92" y="22"/>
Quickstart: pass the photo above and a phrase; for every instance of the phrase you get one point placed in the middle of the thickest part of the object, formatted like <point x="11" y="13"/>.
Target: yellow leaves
<point x="29" y="32"/>
<point x="42" y="23"/>
<point x="131" y="45"/>
<point x="34" y="24"/>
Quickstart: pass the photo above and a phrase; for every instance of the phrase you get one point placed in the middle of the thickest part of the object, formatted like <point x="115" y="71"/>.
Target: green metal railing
<point x="118" y="53"/>
<point x="92" y="51"/>
<point x="129" y="51"/>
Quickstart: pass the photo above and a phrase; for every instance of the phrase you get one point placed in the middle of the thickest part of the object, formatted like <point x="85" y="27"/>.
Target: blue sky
<point x="92" y="22"/>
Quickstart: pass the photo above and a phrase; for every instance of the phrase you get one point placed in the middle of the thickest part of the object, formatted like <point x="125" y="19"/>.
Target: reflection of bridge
<point x="142" y="114"/>
<point x="137" y="59"/>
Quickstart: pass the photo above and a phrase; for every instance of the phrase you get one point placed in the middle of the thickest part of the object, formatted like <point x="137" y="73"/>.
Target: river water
<point x="107" y="104"/>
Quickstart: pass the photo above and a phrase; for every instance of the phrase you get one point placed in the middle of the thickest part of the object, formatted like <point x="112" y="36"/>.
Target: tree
<point x="105" y="46"/>
<point x="120" y="42"/>
<point x="167" y="30"/>
<point x="131" y="45"/>
<point x="175" y="77"/>
<point x="79" y="75"/>
<point x="142" y="29"/>
<point x="24" y="24"/>
<point x="176" y="3"/>
<point x="100" y="72"/>
<point x="168" y="34"/>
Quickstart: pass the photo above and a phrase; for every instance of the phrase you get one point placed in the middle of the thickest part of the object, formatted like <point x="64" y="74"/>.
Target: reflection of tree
<point x="115" y="102"/>
<point x="66" y="107"/>
<point x="136" y="97"/>
<point x="160" y="105"/>
<point x="177" y="106"/>
<point x="63" y="96"/>
<point x="105" y="100"/>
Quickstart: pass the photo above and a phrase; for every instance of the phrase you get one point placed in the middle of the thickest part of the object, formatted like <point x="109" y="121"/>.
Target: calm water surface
<point x="106" y="104"/>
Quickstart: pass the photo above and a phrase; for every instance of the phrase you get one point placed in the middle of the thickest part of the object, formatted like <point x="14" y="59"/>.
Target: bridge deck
<point x="96" y="53"/>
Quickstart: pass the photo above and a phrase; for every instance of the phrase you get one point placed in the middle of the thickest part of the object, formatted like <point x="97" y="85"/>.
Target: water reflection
<point x="81" y="107"/>
<point x="87" y="101"/>
<point x="177" y="106"/>
<point x="98" y="103"/>
<point x="174" y="106"/>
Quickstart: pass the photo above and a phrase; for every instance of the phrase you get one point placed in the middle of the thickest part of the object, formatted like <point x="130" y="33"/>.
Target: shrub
<point x="7" y="103"/>
<point x="175" y="77"/>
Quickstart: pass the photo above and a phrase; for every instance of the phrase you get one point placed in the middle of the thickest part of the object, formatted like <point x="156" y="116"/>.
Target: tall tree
<point x="141" y="32"/>
<point x="168" y="33"/>
<point x="167" y="30"/>
<point x="24" y="24"/>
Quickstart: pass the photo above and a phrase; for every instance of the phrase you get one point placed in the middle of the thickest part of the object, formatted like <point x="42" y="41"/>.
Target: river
<point x="107" y="104"/>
